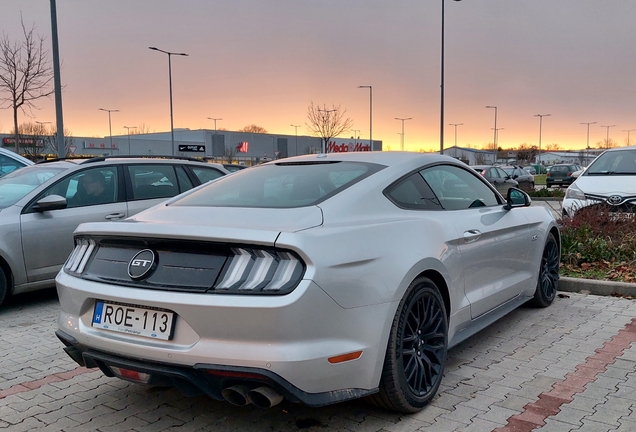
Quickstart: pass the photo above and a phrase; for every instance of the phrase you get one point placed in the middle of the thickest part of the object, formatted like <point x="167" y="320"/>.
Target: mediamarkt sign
<point x="347" y="145"/>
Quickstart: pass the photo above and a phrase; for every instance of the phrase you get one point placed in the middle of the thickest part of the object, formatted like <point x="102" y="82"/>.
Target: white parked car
<point x="610" y="180"/>
<point x="318" y="278"/>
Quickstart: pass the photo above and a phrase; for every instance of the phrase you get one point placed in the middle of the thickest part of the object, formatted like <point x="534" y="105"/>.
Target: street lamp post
<point x="110" y="129"/>
<point x="607" y="137"/>
<point x="170" y="83"/>
<point x="370" y="115"/>
<point x="215" y="119"/>
<point x="628" y="131"/>
<point x="128" y="128"/>
<point x="587" y="148"/>
<point x="402" y="135"/>
<point x="456" y="124"/>
<point x="540" y="126"/>
<point x="494" y="139"/>
<point x="441" y="116"/>
<point x="43" y="123"/>
<point x="296" y="132"/>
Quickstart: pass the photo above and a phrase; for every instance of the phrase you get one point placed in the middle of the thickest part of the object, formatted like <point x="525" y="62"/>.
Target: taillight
<point x="569" y="174"/>
<point x="257" y="271"/>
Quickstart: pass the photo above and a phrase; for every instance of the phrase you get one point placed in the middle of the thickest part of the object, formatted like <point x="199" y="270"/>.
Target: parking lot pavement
<point x="570" y="367"/>
<point x="553" y="205"/>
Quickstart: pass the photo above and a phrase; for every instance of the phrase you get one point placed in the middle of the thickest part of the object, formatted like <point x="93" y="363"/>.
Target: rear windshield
<point x="281" y="185"/>
<point x="620" y="162"/>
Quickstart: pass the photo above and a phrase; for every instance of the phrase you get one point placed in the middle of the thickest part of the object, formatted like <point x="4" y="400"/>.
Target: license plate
<point x="135" y="320"/>
<point x="557" y="180"/>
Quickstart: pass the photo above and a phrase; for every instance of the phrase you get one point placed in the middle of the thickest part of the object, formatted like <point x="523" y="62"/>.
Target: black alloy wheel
<point x="548" y="282"/>
<point x="416" y="352"/>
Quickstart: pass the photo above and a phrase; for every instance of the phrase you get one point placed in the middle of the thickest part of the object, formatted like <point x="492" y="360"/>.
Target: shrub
<point x="596" y="234"/>
<point x="547" y="193"/>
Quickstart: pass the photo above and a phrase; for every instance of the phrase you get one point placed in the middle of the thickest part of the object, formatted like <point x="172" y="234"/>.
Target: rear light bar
<point x="246" y="271"/>
<point x="254" y="271"/>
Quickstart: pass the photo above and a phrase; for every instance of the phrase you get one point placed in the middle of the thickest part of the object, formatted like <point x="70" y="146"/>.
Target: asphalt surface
<point x="569" y="367"/>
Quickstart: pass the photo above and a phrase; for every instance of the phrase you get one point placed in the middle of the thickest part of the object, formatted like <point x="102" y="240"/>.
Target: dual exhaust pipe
<point x="262" y="397"/>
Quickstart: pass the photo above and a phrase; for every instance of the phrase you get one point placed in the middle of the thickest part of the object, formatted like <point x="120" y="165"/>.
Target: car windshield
<point x="508" y="170"/>
<point x="281" y="185"/>
<point x="16" y="185"/>
<point x="620" y="162"/>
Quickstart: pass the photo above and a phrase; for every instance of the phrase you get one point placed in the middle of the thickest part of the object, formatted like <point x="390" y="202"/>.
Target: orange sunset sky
<point x="264" y="61"/>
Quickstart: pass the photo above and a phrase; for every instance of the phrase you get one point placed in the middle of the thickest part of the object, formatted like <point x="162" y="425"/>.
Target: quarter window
<point x="457" y="188"/>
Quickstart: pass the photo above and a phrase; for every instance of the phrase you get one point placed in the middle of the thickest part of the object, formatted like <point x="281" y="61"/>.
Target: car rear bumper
<point x="286" y="341"/>
<point x="202" y="379"/>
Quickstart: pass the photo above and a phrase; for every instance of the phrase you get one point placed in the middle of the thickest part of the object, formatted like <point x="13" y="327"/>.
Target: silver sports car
<point x="318" y="279"/>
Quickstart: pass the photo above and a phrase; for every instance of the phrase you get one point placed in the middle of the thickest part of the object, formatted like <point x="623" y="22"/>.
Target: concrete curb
<point x="598" y="287"/>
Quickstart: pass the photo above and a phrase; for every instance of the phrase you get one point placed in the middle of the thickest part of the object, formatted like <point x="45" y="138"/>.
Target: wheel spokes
<point x="423" y="343"/>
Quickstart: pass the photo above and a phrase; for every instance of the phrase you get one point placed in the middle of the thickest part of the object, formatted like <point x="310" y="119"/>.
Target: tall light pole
<point x="494" y="139"/>
<point x="628" y="131"/>
<point x="441" y="115"/>
<point x="540" y="126"/>
<point x="215" y="119"/>
<point x="110" y="129"/>
<point x="370" y="115"/>
<point x="170" y="83"/>
<point x="607" y="138"/>
<point x="57" y="84"/>
<point x="128" y="128"/>
<point x="456" y="124"/>
<point x="296" y="132"/>
<point x="587" y="148"/>
<point x="402" y="135"/>
<point x="43" y="130"/>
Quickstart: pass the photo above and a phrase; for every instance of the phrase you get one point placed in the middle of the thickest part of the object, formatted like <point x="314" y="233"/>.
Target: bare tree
<point x="327" y="123"/>
<point x="480" y="159"/>
<point x="253" y="129"/>
<point x="553" y="147"/>
<point x="50" y="142"/>
<point x="32" y="137"/>
<point x="141" y="129"/>
<point x="25" y="74"/>
<point x="230" y="154"/>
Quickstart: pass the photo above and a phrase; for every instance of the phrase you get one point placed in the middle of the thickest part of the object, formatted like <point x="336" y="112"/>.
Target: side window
<point x="89" y="187"/>
<point x="206" y="174"/>
<point x="501" y="173"/>
<point x="184" y="181"/>
<point x="457" y="188"/>
<point x="153" y="181"/>
<point x="413" y="193"/>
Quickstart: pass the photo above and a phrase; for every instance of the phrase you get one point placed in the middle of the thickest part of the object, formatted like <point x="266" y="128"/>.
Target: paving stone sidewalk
<point x="570" y="367"/>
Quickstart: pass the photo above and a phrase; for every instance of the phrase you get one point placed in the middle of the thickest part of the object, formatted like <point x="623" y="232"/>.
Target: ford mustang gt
<point x="316" y="279"/>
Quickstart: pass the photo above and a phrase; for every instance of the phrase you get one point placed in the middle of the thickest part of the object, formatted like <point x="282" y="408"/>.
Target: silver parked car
<point x="318" y="278"/>
<point x="42" y="204"/>
<point x="11" y="161"/>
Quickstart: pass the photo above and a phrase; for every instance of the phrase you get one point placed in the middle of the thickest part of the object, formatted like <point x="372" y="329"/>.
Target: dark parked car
<point x="561" y="175"/>
<point x="523" y="177"/>
<point x="497" y="177"/>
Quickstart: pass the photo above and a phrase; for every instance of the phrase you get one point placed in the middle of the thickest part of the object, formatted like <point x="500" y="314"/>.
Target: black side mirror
<point x="517" y="198"/>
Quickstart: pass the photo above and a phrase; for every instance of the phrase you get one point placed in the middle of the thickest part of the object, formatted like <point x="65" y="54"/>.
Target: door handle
<point x="471" y="235"/>
<point x="113" y="216"/>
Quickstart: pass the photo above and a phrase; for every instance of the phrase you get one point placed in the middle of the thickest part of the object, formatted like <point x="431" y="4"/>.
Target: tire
<point x="416" y="350"/>
<point x="548" y="281"/>
<point x="3" y="286"/>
